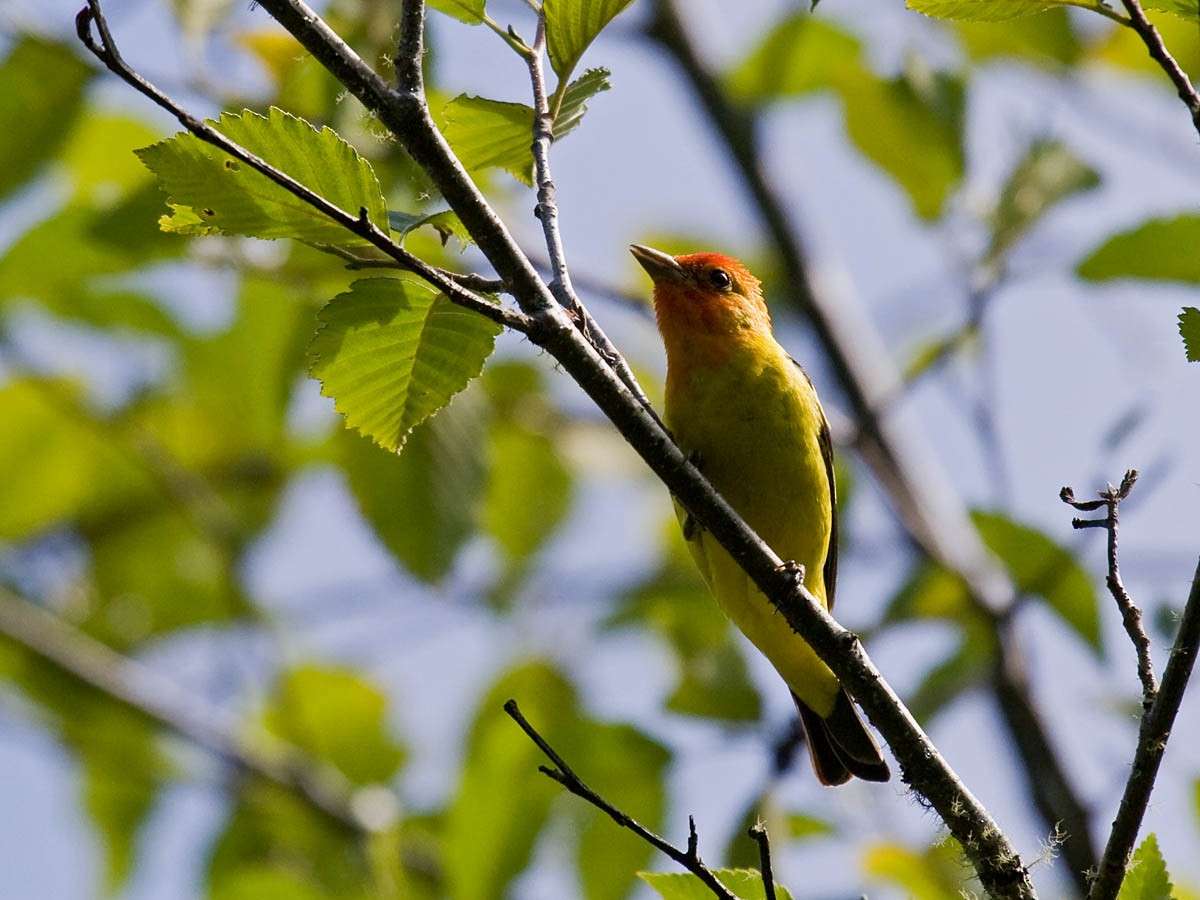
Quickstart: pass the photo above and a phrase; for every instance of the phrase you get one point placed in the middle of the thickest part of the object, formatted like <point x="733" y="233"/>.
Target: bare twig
<point x="563" y="774"/>
<point x="758" y="832"/>
<point x="141" y="689"/>
<point x="1131" y="615"/>
<point x="1159" y="53"/>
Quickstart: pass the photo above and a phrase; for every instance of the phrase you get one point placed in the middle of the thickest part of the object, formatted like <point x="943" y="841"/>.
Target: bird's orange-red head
<point x="705" y="301"/>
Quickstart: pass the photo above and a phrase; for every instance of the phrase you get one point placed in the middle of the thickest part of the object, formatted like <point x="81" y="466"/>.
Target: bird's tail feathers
<point x="840" y="746"/>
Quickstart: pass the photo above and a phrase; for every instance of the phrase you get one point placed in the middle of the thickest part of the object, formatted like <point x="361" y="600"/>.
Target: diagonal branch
<point x="564" y="775"/>
<point x="1161" y="55"/>
<point x="165" y="703"/>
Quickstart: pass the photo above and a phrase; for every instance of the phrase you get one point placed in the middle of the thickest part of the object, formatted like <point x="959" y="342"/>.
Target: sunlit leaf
<point x="336" y="716"/>
<point x="44" y="85"/>
<point x="982" y="10"/>
<point x="746" y="884"/>
<point x="262" y="882"/>
<point x="1186" y="9"/>
<point x="1161" y="249"/>
<point x="503" y="800"/>
<point x="911" y="127"/>
<point x="1047" y="174"/>
<point x="469" y="11"/>
<point x="1189" y="330"/>
<point x="572" y="25"/>
<point x="802" y="53"/>
<point x="936" y="873"/>
<point x="445" y="222"/>
<point x="392" y="352"/>
<point x="575" y="100"/>
<point x="529" y="489"/>
<point x="423" y="502"/>
<point x="1147" y="877"/>
<point x="1039" y="566"/>
<point x="212" y="193"/>
<point x="931" y="592"/>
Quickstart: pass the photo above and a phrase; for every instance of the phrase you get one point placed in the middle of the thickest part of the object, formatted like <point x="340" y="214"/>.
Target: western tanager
<point x="749" y="415"/>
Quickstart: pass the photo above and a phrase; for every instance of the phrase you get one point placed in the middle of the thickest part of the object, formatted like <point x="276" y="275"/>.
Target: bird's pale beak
<point x="660" y="266"/>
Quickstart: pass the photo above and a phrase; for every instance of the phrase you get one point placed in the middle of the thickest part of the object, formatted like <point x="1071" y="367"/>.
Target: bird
<point x="748" y="415"/>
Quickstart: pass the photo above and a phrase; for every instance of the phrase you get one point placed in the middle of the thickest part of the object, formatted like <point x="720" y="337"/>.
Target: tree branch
<point x="563" y="774"/>
<point x="758" y="832"/>
<point x="141" y="689"/>
<point x="1159" y="704"/>
<point x="1159" y="53"/>
<point x="1000" y="869"/>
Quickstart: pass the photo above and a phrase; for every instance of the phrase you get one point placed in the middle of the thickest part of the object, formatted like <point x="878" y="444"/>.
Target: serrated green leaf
<point x="1147" y="878"/>
<point x="746" y="884"/>
<point x="799" y="55"/>
<point x="469" y="11"/>
<point x="44" y="85"/>
<point x="212" y="193"/>
<point x="503" y="800"/>
<point x="392" y="352"/>
<point x="336" y="716"/>
<point x="982" y="10"/>
<point x="445" y="222"/>
<point x="632" y="768"/>
<point x="575" y="100"/>
<point x="572" y="25"/>
<point x="1189" y="330"/>
<point x="912" y="128"/>
<point x="1039" y="566"/>
<point x="490" y="134"/>
<point x="1185" y="9"/>
<point x="1047" y="174"/>
<point x="1161" y="249"/>
<point x="440" y="473"/>
<point x="936" y="873"/>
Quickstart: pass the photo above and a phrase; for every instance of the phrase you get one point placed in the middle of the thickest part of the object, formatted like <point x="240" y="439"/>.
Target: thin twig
<point x="547" y="213"/>
<point x="1131" y="615"/>
<point x="758" y="832"/>
<point x="139" y="688"/>
<point x="1159" y="53"/>
<point x="1152" y="744"/>
<point x="563" y="774"/>
<point x="359" y="224"/>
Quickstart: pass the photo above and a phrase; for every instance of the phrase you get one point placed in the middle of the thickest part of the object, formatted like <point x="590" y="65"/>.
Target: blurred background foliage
<point x="173" y="489"/>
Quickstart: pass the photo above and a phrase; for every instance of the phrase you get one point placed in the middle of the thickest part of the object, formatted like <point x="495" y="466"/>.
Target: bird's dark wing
<point x="825" y="441"/>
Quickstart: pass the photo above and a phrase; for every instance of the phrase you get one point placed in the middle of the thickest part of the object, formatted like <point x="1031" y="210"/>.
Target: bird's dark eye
<point x="719" y="279"/>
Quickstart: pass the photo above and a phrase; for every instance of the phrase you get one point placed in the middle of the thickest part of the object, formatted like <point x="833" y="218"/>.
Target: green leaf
<point x="212" y="193"/>
<point x="1047" y="174"/>
<point x="983" y="10"/>
<point x="746" y="884"/>
<point x="572" y="25"/>
<point x="445" y="222"/>
<point x="529" y="489"/>
<point x="575" y="100"/>
<point x="911" y="127"/>
<point x="1039" y="566"/>
<point x="1189" y="330"/>
<point x="469" y="11"/>
<point x="99" y="156"/>
<point x="338" y="717"/>
<point x="799" y="55"/>
<point x="392" y="352"/>
<point x="503" y="800"/>
<point x="490" y="134"/>
<point x="1048" y="40"/>
<point x="263" y="882"/>
<point x="1147" y="878"/>
<point x="936" y="873"/>
<point x="632" y="768"/>
<point x="44" y="85"/>
<point x="1186" y="9"/>
<point x="970" y="664"/>
<point x="422" y="504"/>
<point x="1162" y="249"/>
<point x="70" y="468"/>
